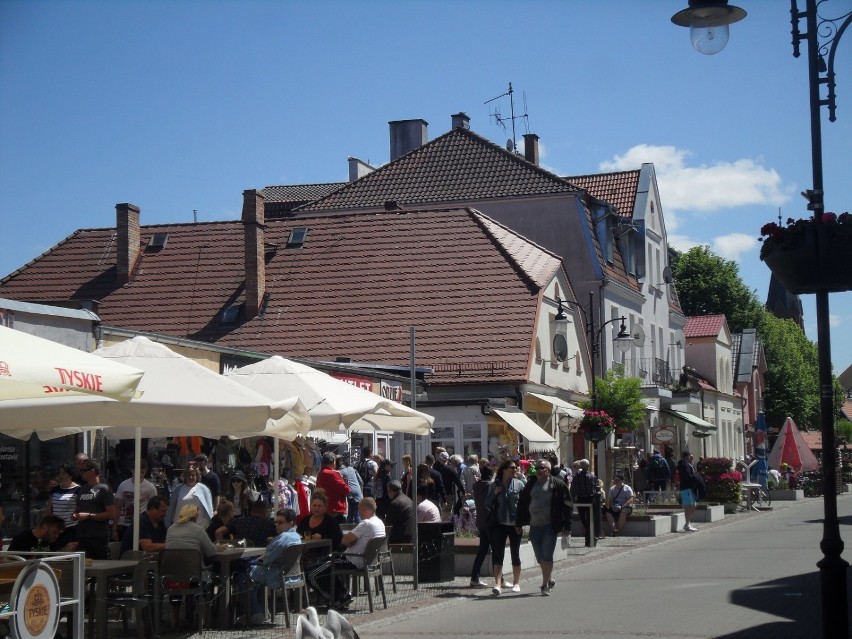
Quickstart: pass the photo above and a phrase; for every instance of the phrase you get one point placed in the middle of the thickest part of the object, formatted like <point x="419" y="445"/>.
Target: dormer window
<point x="230" y="315"/>
<point x="604" y="229"/>
<point x="297" y="238"/>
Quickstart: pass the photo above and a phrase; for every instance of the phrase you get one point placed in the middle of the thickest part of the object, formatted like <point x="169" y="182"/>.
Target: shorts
<point x="543" y="542"/>
<point x="687" y="497"/>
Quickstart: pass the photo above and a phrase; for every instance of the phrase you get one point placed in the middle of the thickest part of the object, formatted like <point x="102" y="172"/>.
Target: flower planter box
<point x="708" y="513"/>
<point x="818" y="261"/>
<point x="786" y="494"/>
<point x="467" y="547"/>
<point x="647" y="525"/>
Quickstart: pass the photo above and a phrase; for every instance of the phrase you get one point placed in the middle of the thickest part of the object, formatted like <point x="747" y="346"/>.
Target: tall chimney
<point x="461" y="120"/>
<point x="531" y="147"/>
<point x="127" y="241"/>
<point x="407" y="135"/>
<point x="253" y="226"/>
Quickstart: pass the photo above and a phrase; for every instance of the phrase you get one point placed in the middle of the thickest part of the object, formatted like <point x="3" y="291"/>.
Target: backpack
<point x="363" y="469"/>
<point x="659" y="467"/>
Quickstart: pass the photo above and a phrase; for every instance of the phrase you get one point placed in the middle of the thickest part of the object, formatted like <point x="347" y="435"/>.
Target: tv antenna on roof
<point x="511" y="144"/>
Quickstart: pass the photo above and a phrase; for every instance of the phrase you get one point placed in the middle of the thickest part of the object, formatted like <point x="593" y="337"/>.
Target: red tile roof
<point x="459" y="166"/>
<point x="704" y="326"/>
<point x="468" y="284"/>
<point x="617" y="189"/>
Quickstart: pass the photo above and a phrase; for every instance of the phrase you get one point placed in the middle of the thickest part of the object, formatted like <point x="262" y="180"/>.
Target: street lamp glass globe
<point x="709" y="40"/>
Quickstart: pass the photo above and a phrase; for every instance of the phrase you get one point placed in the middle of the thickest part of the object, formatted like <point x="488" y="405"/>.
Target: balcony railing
<point x="651" y="371"/>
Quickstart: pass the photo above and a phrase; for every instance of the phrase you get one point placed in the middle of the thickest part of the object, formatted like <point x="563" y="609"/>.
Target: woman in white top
<point x="193" y="492"/>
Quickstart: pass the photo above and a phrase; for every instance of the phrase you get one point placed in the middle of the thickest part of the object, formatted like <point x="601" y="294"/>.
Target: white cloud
<point x="681" y="242"/>
<point x="834" y="320"/>
<point x="733" y="245"/>
<point x="722" y="185"/>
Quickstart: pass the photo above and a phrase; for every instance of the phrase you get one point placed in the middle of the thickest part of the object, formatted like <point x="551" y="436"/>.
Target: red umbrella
<point x="790" y="452"/>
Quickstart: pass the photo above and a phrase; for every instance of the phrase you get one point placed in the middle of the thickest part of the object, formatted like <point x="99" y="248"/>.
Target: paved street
<point x="750" y="576"/>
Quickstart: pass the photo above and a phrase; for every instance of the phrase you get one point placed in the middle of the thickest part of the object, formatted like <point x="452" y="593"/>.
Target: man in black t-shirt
<point x="209" y="478"/>
<point x="95" y="511"/>
<point x="152" y="530"/>
<point x="39" y="538"/>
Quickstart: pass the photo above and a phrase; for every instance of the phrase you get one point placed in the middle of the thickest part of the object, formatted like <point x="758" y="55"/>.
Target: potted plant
<point x="810" y="254"/>
<point x="723" y="483"/>
<point x="596" y="425"/>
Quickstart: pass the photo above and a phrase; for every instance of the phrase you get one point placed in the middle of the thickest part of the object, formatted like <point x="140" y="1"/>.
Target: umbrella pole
<point x="137" y="486"/>
<point x="414" y="536"/>
<point x="276" y="473"/>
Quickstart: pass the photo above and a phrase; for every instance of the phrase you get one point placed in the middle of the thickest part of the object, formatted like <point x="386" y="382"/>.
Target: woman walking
<point x="502" y="499"/>
<point x="480" y="492"/>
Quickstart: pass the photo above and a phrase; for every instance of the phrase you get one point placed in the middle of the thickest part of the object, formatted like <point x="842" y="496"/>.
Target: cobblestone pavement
<point x="407" y="599"/>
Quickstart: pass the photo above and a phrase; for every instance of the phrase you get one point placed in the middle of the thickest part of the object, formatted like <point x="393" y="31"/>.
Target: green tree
<point x="792" y="378"/>
<point x="707" y="284"/>
<point x="621" y="398"/>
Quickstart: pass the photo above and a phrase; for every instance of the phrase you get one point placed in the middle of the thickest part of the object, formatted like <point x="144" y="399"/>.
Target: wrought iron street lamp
<point x="822" y="36"/>
<point x="622" y="342"/>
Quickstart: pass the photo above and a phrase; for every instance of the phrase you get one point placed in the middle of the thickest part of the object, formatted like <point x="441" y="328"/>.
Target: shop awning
<point x="701" y="426"/>
<point x="566" y="407"/>
<point x="539" y="440"/>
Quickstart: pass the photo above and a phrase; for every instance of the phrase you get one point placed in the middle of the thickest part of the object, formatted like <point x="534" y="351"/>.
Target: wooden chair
<point x="182" y="575"/>
<point x="372" y="569"/>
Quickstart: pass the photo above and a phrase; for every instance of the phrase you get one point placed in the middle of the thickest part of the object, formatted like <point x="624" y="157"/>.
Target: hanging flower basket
<point x="596" y="425"/>
<point x="806" y="256"/>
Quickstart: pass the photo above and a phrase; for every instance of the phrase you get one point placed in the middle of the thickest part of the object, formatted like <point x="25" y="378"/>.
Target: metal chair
<point x="182" y="575"/>
<point x="293" y="578"/>
<point x="372" y="569"/>
<point x="139" y="597"/>
<point x="386" y="562"/>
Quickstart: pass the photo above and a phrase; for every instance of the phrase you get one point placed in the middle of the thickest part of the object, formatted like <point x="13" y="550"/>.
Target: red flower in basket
<point x="596" y="420"/>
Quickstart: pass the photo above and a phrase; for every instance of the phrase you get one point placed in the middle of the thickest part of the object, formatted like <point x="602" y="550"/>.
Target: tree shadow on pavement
<point x="796" y="598"/>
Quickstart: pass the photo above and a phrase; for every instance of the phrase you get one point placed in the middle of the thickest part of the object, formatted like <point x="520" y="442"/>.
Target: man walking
<point x="583" y="489"/>
<point x="658" y="472"/>
<point x="544" y="505"/>
<point x="95" y="509"/>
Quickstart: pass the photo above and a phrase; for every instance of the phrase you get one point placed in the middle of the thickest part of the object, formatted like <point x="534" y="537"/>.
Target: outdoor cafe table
<point x="224" y="558"/>
<point x="101" y="570"/>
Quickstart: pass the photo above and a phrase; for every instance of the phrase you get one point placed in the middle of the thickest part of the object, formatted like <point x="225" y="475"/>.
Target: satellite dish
<point x="680" y="338"/>
<point x="667" y="275"/>
<point x="638" y="334"/>
<point x="560" y="347"/>
<point x="510" y="145"/>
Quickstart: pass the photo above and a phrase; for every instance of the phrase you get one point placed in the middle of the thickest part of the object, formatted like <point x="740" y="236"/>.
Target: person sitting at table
<point x="152" y="530"/>
<point x="256" y="529"/>
<point x="319" y="524"/>
<point x="224" y="514"/>
<point x="356" y="543"/>
<point x="267" y="572"/>
<point x="41" y="537"/>
<point x="184" y="534"/>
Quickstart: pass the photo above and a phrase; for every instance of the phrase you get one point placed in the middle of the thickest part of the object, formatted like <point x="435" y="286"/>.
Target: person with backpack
<point x="659" y="473"/>
<point x="367" y="469"/>
<point x="584" y="487"/>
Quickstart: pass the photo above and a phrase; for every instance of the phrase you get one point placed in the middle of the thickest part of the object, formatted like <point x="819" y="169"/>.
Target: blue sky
<point x="179" y="106"/>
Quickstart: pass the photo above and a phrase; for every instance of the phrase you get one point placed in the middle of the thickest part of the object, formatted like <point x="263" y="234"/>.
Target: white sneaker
<point x="496" y="590"/>
<point x="689" y="528"/>
<point x="516" y="588"/>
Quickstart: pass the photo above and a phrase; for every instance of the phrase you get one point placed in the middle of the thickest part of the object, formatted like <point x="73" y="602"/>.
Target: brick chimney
<point x="255" y="267"/>
<point x="531" y="147"/>
<point x="461" y="120"/>
<point x="127" y="241"/>
<point x="407" y="135"/>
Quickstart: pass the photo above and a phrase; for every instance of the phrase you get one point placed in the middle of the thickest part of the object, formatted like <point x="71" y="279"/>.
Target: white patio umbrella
<point x="33" y="367"/>
<point x="179" y="397"/>
<point x="330" y="401"/>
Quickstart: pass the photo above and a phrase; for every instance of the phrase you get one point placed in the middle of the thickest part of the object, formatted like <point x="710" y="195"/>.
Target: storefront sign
<point x="392" y="390"/>
<point x="35" y="598"/>
<point x="359" y="382"/>
<point x="662" y="435"/>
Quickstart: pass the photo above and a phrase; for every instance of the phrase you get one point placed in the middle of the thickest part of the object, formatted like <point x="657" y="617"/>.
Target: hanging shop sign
<point x="663" y="435"/>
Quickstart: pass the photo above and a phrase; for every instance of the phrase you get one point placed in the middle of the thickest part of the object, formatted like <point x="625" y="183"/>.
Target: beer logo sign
<point x="37" y="609"/>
